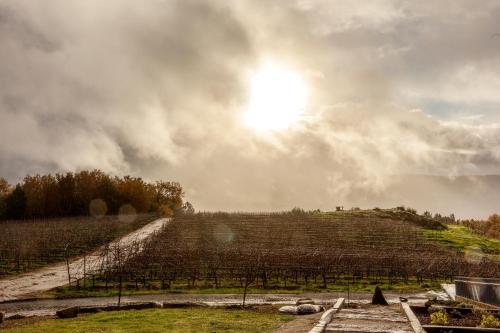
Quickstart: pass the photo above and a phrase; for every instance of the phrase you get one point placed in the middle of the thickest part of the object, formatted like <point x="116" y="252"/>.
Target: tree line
<point x="87" y="193"/>
<point x="489" y="228"/>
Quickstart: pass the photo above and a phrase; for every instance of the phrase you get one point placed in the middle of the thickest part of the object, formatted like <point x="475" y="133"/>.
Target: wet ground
<point x="50" y="306"/>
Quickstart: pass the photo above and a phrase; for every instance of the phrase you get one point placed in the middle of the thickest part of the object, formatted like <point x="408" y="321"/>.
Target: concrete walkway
<point x="371" y="319"/>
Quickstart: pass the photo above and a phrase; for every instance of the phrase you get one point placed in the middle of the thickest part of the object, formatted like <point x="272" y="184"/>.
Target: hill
<point x="472" y="196"/>
<point x="298" y="248"/>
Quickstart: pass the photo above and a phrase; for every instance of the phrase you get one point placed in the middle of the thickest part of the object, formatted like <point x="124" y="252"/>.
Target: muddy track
<point x="28" y="284"/>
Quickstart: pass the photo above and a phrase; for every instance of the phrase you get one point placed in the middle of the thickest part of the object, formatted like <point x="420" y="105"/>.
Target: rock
<point x="90" y="309"/>
<point x="138" y="306"/>
<point x="272" y="299"/>
<point x="454" y="313"/>
<point x="290" y="309"/>
<point x="309" y="309"/>
<point x="403" y="299"/>
<point x="125" y="306"/>
<point x="435" y="308"/>
<point x="174" y="305"/>
<point x="2" y="316"/>
<point x="15" y="317"/>
<point x="378" y="297"/>
<point x="437" y="296"/>
<point x="71" y="312"/>
<point x="111" y="308"/>
<point x="301" y="301"/>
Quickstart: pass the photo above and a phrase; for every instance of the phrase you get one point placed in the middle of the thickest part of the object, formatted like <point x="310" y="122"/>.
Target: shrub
<point x="297" y="211"/>
<point x="411" y="210"/>
<point x="489" y="321"/>
<point x="439" y="318"/>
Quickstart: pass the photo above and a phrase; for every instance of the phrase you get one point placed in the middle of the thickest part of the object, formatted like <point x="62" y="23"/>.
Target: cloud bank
<point x="159" y="89"/>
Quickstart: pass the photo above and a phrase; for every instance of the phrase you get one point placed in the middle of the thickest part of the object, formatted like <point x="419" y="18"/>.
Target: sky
<point x="161" y="88"/>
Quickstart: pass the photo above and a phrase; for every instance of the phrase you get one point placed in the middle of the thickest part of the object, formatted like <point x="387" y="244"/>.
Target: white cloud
<point x="159" y="88"/>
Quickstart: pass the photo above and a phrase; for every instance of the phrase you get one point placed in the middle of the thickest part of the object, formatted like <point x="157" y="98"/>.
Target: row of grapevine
<point x="284" y="248"/>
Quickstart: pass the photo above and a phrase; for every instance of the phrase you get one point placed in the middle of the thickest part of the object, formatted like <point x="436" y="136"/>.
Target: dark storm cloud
<point x="159" y="88"/>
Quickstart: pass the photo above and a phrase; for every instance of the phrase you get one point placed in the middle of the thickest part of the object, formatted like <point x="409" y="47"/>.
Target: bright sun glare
<point x="278" y="97"/>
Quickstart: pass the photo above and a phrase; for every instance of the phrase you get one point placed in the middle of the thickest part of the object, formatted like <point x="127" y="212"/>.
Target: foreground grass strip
<point x="363" y="286"/>
<point x="165" y="320"/>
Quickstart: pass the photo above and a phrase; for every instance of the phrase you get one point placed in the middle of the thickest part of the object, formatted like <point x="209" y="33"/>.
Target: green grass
<point x="164" y="320"/>
<point x="363" y="285"/>
<point x="463" y="239"/>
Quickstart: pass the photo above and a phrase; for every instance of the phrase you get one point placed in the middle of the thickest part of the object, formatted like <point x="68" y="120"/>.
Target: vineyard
<point x="27" y="245"/>
<point x="291" y="248"/>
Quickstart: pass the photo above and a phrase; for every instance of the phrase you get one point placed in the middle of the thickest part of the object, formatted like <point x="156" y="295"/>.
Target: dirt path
<point x="24" y="285"/>
<point x="301" y="324"/>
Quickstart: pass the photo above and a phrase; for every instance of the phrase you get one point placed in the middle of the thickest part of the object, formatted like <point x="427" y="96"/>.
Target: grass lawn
<point x="463" y="239"/>
<point x="258" y="320"/>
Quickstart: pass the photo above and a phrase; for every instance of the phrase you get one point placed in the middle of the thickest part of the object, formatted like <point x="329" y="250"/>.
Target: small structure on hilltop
<point x="339" y="208"/>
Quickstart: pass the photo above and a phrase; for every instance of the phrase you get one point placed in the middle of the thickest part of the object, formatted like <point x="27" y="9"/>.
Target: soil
<point x="470" y="320"/>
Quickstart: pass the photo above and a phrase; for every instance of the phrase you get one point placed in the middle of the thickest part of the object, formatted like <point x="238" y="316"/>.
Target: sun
<point x="277" y="98"/>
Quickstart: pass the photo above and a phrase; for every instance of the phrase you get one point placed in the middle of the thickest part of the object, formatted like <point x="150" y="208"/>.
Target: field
<point x="260" y="320"/>
<point x="295" y="250"/>
<point x="27" y="245"/>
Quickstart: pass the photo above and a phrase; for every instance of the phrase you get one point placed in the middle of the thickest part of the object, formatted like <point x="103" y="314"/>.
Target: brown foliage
<point x="72" y="194"/>
<point x="489" y="228"/>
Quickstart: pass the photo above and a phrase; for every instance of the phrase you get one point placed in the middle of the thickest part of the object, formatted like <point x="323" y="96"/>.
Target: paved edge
<point x="449" y="288"/>
<point x="327" y="317"/>
<point x="414" y="322"/>
<point x="477" y="303"/>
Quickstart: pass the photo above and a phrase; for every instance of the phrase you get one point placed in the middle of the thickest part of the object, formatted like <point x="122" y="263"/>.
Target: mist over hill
<point x="465" y="196"/>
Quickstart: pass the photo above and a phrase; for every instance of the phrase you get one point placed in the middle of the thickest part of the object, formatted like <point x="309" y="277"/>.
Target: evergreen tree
<point x="15" y="203"/>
